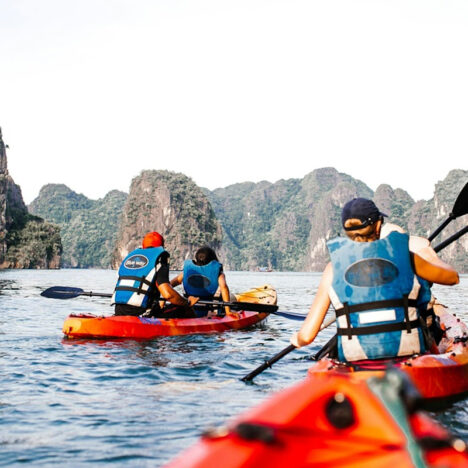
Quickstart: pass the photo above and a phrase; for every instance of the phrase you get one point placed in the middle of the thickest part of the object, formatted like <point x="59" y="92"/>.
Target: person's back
<point x="200" y="277"/>
<point x="144" y="280"/>
<point x="204" y="277"/>
<point x="373" y="285"/>
<point x="136" y="289"/>
<point x="374" y="295"/>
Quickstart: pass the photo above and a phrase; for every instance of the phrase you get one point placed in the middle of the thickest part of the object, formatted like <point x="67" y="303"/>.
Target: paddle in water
<point x="267" y="364"/>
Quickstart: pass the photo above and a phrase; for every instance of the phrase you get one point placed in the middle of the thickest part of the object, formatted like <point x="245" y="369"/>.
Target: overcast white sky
<point x="94" y="91"/>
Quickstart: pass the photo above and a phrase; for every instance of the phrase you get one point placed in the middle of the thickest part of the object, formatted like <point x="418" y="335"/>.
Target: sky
<point x="92" y="92"/>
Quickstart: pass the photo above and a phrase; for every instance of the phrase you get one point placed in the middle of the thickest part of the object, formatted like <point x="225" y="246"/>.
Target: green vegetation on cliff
<point x="283" y="225"/>
<point x="33" y="243"/>
<point x="268" y="224"/>
<point x="172" y="204"/>
<point x="88" y="227"/>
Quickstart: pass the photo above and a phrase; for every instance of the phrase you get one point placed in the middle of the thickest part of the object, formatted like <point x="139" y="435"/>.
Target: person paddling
<point x="144" y="280"/>
<point x="372" y="284"/>
<point x="204" y="277"/>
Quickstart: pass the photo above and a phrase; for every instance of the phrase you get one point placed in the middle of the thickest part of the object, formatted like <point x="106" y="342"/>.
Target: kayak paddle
<point x="65" y="292"/>
<point x="451" y="239"/>
<point x="265" y="308"/>
<point x="460" y="208"/>
<point x="249" y="377"/>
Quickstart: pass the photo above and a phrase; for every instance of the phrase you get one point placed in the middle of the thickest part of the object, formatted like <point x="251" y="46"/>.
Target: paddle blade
<point x="290" y="315"/>
<point x="62" y="292"/>
<point x="461" y="204"/>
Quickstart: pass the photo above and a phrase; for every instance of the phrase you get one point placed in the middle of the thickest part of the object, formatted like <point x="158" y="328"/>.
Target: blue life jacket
<point x="136" y="285"/>
<point x="201" y="281"/>
<point x="424" y="300"/>
<point x="374" y="292"/>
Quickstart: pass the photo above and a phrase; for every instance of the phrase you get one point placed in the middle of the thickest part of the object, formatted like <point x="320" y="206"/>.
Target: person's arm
<point x="177" y="280"/>
<point x="167" y="291"/>
<point x="225" y="294"/>
<point x="171" y="295"/>
<point x="435" y="271"/>
<point x="317" y="311"/>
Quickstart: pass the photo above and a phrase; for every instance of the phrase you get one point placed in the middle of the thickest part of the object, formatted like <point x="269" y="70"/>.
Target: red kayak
<point x="331" y="420"/>
<point x="90" y="326"/>
<point x="440" y="378"/>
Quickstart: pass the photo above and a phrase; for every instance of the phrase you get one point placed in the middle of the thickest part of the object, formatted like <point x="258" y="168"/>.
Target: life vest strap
<point x="135" y="278"/>
<point x="375" y="329"/>
<point x="351" y="309"/>
<point x="130" y="288"/>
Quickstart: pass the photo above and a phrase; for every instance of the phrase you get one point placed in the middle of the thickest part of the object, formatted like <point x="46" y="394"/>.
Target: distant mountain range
<point x="283" y="225"/>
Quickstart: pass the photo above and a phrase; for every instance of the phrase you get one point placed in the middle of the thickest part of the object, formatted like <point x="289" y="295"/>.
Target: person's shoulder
<point x="164" y="258"/>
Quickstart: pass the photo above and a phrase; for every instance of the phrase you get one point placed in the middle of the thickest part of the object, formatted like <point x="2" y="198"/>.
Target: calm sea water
<point x="128" y="403"/>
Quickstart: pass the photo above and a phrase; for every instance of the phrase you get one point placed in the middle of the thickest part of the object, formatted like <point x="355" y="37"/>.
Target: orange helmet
<point x="153" y="239"/>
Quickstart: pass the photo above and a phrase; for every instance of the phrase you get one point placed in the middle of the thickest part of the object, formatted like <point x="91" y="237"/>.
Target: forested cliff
<point x="26" y="241"/>
<point x="173" y="205"/>
<point x="284" y="224"/>
<point x="88" y="227"/>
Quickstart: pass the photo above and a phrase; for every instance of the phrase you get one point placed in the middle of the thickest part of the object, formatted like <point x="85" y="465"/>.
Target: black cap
<point x="362" y="209"/>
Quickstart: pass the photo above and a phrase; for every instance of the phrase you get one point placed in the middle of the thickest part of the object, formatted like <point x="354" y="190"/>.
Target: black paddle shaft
<point x="256" y="307"/>
<point x="460" y="208"/>
<point x="451" y="239"/>
<point x="268" y="363"/>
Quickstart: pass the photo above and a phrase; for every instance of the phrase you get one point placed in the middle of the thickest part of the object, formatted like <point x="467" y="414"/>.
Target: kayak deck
<point x="330" y="421"/>
<point x="90" y="326"/>
<point x="442" y="377"/>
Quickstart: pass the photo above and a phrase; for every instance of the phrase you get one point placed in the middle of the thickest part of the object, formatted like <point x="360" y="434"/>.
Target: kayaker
<point x="144" y="280"/>
<point x="204" y="277"/>
<point x="371" y="282"/>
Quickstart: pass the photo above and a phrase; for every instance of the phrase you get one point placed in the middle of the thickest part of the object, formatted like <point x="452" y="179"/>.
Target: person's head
<point x="153" y="239"/>
<point x="205" y="255"/>
<point x="362" y="220"/>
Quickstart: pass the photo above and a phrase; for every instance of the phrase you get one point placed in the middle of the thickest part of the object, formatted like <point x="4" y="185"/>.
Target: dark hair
<point x="205" y="255"/>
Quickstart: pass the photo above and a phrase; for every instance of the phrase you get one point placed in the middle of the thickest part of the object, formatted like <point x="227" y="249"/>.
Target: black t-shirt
<point x="162" y="275"/>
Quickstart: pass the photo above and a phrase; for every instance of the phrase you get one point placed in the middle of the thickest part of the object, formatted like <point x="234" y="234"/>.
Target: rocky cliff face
<point x="286" y="225"/>
<point x="283" y="225"/>
<point x="173" y="205"/>
<point x="88" y="227"/>
<point x="425" y="216"/>
<point x="26" y="241"/>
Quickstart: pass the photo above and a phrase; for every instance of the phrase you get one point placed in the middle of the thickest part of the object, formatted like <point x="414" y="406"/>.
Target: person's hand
<point x="192" y="300"/>
<point x="294" y="340"/>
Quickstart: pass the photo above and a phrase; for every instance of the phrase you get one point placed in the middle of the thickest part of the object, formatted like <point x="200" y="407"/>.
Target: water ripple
<point x="139" y="403"/>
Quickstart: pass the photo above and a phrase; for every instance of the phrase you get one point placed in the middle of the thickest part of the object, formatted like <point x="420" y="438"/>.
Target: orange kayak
<point x="331" y="420"/>
<point x="90" y="326"/>
<point x="440" y="378"/>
